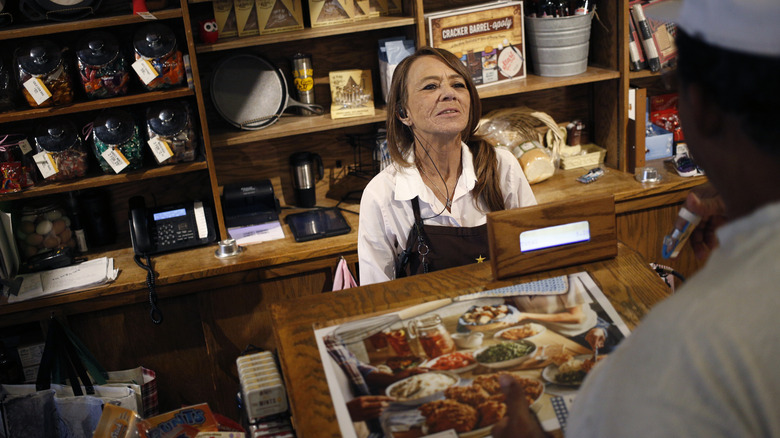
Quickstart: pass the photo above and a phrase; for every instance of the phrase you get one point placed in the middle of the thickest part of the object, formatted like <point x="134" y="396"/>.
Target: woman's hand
<point x="705" y="202"/>
<point x="596" y="337"/>
<point x="367" y="407"/>
<point x="519" y="420"/>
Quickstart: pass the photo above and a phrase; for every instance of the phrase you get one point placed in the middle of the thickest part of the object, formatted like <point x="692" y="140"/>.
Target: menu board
<point x="440" y="361"/>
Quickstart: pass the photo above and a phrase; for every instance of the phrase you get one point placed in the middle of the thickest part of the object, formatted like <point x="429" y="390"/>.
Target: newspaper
<point x="551" y="321"/>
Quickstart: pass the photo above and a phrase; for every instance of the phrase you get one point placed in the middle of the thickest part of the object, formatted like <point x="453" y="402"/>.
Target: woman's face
<point x="438" y="100"/>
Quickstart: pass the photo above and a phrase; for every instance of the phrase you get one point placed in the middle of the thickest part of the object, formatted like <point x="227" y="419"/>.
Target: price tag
<point x="145" y="70"/>
<point x="115" y="159"/>
<point x="25" y="147"/>
<point x="46" y="164"/>
<point x="146" y="15"/>
<point x="37" y="90"/>
<point x="160" y="149"/>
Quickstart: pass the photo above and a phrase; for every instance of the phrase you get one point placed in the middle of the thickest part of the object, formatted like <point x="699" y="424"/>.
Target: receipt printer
<point x="249" y="204"/>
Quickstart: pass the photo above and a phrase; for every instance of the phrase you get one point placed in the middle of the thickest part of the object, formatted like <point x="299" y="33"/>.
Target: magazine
<point x="439" y="362"/>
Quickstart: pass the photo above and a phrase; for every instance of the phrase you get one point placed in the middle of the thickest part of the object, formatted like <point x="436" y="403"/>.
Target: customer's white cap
<point x="749" y="26"/>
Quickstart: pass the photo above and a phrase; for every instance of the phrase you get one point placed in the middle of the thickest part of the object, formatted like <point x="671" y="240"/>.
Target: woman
<point x="429" y="207"/>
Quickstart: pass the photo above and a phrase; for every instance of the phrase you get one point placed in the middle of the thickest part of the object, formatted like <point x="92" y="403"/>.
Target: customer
<point x="704" y="362"/>
<point x="441" y="174"/>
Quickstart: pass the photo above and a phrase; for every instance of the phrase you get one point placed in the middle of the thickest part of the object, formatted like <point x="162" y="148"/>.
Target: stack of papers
<point x="83" y="275"/>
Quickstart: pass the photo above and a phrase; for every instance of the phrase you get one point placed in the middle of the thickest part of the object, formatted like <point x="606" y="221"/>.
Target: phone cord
<point x="155" y="313"/>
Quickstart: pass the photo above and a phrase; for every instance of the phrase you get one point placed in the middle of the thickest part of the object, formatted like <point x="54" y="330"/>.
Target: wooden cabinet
<point x="166" y="183"/>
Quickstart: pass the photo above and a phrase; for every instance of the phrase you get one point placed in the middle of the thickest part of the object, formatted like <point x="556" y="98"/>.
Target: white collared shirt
<point x="386" y="214"/>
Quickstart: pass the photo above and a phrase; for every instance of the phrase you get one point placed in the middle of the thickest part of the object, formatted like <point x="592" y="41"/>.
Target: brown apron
<point x="434" y="247"/>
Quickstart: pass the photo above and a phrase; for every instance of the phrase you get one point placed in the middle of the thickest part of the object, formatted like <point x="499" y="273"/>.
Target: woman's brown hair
<point x="400" y="138"/>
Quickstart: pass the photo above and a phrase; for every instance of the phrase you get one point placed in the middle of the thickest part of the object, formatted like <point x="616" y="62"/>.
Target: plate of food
<point x="571" y="372"/>
<point x="421" y="388"/>
<point x="505" y="354"/>
<point x="456" y="362"/>
<point x="472" y="410"/>
<point x="489" y="317"/>
<point x="522" y="331"/>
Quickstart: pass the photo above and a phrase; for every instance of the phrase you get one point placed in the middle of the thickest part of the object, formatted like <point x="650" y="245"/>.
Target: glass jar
<point x="116" y="129"/>
<point x="43" y="60"/>
<point x="42" y="227"/>
<point x="7" y="88"/>
<point x="172" y="123"/>
<point x="59" y="138"/>
<point x="102" y="69"/>
<point x="17" y="169"/>
<point x="156" y="43"/>
<point x="434" y="338"/>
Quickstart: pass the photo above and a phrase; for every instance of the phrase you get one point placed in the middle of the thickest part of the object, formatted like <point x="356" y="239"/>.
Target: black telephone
<point x="165" y="229"/>
<point x="169" y="228"/>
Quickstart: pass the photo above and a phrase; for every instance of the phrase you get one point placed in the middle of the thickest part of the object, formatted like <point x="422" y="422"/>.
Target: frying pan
<point x="250" y="93"/>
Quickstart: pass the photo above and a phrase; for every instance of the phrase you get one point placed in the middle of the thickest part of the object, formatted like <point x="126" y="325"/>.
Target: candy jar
<point x="17" y="168"/>
<point x="7" y="88"/>
<point x="116" y="129"/>
<point x="41" y="60"/>
<point x="433" y="337"/>
<point x="59" y="138"/>
<point x="171" y="123"/>
<point x="102" y="69"/>
<point x="156" y="43"/>
<point x="41" y="227"/>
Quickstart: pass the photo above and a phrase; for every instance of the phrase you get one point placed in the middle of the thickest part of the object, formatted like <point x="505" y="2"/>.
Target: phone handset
<point x="142" y="246"/>
<point x="139" y="226"/>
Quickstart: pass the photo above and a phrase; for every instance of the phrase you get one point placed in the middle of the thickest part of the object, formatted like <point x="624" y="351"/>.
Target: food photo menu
<point x="436" y="365"/>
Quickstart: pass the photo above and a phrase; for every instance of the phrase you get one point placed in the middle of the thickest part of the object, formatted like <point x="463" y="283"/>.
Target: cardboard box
<point x="489" y="38"/>
<point x="246" y="17"/>
<point x="362" y="9"/>
<point x="659" y="144"/>
<point x="331" y="12"/>
<point x="377" y="8"/>
<point x="591" y="155"/>
<point x="352" y="94"/>
<point x="276" y="16"/>
<point x="225" y="15"/>
<point x="394" y="7"/>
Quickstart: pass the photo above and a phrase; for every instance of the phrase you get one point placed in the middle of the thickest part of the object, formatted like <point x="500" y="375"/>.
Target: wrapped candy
<point x="156" y="43"/>
<point x="42" y="60"/>
<point x="102" y="69"/>
<point x="59" y="138"/>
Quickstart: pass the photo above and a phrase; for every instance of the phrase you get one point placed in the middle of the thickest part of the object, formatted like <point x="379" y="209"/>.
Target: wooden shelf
<point x="88" y="182"/>
<point x="641" y="74"/>
<point x="535" y="83"/>
<point x="307" y="33"/>
<point x="289" y="126"/>
<point x="24" y="31"/>
<point x="92" y="105"/>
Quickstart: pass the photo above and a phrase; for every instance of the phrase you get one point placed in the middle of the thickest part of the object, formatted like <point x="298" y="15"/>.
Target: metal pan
<point x="250" y="93"/>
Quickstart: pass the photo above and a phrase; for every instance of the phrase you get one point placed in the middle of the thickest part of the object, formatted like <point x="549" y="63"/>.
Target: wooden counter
<point x="214" y="308"/>
<point x="632" y="287"/>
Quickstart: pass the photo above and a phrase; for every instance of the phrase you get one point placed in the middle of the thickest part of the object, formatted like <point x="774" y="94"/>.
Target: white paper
<point x="257" y="233"/>
<point x="37" y="90"/>
<point x="146" y="71"/>
<point x="115" y="159"/>
<point x="160" y="149"/>
<point x="83" y="275"/>
<point x="46" y="164"/>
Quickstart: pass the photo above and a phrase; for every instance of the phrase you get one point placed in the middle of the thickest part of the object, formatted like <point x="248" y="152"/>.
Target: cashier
<point x="427" y="211"/>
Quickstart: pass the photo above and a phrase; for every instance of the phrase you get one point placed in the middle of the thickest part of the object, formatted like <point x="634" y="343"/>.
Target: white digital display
<point x="170" y="214"/>
<point x="554" y="236"/>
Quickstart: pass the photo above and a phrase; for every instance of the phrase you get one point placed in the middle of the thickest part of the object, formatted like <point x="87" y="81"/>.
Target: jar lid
<point x="114" y="126"/>
<point x="56" y="135"/>
<point x="168" y="119"/>
<point x="97" y="48"/>
<point x="39" y="57"/>
<point x="154" y="41"/>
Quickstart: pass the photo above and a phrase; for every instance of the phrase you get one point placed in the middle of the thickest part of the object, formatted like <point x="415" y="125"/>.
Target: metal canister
<point x="303" y="73"/>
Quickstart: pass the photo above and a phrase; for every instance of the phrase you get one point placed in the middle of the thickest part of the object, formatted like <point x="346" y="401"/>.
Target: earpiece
<point x="401" y="112"/>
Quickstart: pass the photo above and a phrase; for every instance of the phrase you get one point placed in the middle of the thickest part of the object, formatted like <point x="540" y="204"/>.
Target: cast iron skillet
<point x="250" y="93"/>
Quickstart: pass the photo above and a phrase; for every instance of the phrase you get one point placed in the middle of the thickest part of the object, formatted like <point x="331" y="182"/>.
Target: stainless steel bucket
<point x="558" y="46"/>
